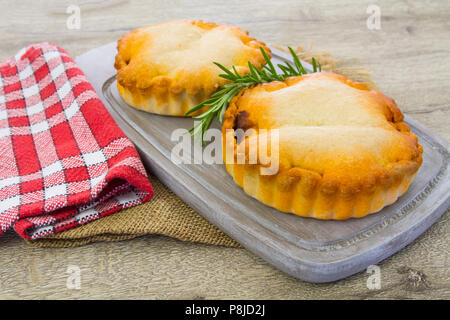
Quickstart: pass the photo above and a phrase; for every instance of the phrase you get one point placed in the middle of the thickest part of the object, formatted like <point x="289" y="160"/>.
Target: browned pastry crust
<point x="344" y="150"/>
<point x="168" y="68"/>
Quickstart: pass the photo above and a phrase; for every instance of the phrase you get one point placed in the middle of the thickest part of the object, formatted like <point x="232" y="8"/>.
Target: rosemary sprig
<point x="220" y="100"/>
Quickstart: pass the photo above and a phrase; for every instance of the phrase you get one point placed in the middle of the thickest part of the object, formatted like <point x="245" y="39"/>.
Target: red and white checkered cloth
<point x="63" y="159"/>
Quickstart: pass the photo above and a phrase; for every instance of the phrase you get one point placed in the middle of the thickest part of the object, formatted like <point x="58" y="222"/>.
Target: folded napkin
<point x="63" y="160"/>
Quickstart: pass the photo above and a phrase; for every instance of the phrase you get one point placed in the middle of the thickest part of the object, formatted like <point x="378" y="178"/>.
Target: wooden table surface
<point x="410" y="61"/>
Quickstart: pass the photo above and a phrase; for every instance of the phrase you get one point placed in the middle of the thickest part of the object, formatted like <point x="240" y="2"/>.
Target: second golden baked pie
<point x="168" y="68"/>
<point x="343" y="150"/>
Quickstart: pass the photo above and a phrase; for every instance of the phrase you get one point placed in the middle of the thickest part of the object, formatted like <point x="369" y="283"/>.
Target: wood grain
<point x="410" y="61"/>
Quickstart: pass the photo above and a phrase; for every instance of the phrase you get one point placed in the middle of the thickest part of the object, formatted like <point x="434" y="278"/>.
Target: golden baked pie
<point x="168" y="68"/>
<point x="343" y="150"/>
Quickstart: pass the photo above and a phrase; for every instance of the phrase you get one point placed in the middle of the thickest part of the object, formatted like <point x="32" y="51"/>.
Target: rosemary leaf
<point x="219" y="101"/>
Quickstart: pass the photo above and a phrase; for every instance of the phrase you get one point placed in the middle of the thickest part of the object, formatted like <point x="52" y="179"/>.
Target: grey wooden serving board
<point x="309" y="249"/>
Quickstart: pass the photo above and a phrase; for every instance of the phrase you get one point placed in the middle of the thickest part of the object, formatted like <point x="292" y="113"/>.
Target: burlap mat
<point x="166" y="214"/>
